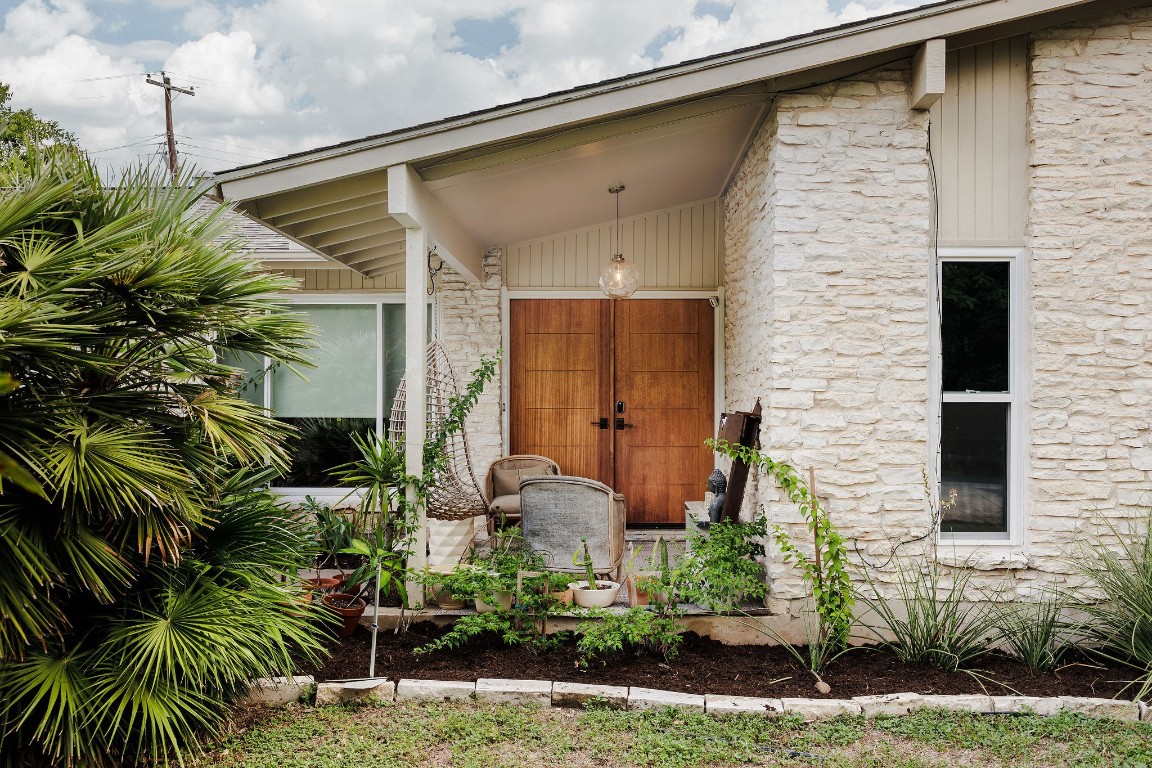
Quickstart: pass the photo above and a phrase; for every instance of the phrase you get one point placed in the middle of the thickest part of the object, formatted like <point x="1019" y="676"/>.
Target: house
<point x="921" y="240"/>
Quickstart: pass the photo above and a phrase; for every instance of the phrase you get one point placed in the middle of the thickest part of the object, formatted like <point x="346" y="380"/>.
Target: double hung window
<point x="979" y="397"/>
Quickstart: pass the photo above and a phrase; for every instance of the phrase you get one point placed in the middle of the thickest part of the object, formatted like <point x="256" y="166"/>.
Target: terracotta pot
<point x="350" y="614"/>
<point x="563" y="597"/>
<point x="603" y="596"/>
<point x="638" y="596"/>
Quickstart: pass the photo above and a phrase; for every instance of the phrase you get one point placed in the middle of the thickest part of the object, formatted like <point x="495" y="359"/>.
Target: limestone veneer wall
<point x="828" y="269"/>
<point x="469" y="320"/>
<point x="830" y="218"/>
<point x="1090" y="240"/>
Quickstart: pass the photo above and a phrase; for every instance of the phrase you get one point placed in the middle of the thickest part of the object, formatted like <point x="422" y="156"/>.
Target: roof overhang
<point x="544" y="165"/>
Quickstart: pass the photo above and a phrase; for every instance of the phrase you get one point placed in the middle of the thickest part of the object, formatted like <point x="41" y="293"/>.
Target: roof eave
<point x="655" y="87"/>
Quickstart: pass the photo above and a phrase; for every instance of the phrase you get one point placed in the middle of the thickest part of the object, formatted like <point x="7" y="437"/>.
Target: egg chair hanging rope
<point x="454" y="494"/>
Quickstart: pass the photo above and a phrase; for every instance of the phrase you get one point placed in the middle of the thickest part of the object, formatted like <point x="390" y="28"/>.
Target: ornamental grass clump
<point x="1120" y="626"/>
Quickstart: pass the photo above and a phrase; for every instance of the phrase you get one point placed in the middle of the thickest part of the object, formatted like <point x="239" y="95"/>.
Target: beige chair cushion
<point x="506" y="505"/>
<point x="506" y="482"/>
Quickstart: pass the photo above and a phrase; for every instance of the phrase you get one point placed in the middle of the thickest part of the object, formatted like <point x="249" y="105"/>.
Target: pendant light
<point x="619" y="278"/>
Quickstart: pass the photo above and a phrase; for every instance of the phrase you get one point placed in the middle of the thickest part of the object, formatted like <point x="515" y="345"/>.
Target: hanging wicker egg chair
<point x="454" y="494"/>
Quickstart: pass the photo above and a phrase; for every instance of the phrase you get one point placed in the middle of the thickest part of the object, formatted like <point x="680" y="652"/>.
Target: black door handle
<point x="602" y="423"/>
<point x="620" y="423"/>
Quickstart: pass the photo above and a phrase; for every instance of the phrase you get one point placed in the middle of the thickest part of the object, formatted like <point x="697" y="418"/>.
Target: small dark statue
<point x="718" y="485"/>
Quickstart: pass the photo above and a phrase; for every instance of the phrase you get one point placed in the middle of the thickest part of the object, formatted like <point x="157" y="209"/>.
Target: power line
<point x="225" y="143"/>
<point x="147" y="140"/>
<point x="110" y="77"/>
<point x="223" y="151"/>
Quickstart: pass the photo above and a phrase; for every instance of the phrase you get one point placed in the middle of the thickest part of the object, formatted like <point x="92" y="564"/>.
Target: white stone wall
<point x="828" y="266"/>
<point x="836" y="239"/>
<point x="1090" y="240"/>
<point x="469" y="326"/>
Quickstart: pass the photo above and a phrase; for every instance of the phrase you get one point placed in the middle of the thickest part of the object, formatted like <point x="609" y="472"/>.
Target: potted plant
<point x="591" y="593"/>
<point x="348" y="607"/>
<point x="649" y="585"/>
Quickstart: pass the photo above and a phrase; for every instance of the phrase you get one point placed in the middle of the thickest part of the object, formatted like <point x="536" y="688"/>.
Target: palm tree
<point x="142" y="574"/>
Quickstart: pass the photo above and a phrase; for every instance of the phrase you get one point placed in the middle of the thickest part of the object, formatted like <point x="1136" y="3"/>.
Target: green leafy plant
<point x="586" y="564"/>
<point x="826" y="573"/>
<point x="603" y="633"/>
<point x="1120" y="626"/>
<point x="720" y="569"/>
<point x="1034" y="632"/>
<point x="468" y="627"/>
<point x="142" y="588"/>
<point x="932" y="618"/>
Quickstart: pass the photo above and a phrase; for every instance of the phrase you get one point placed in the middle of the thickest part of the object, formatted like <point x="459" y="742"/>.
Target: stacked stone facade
<point x="469" y="325"/>
<point x="828" y="268"/>
<point x="1090" y="244"/>
<point x="830" y="218"/>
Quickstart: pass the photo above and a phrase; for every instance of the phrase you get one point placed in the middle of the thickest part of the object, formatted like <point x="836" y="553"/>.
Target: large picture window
<point x="359" y="361"/>
<point x="979" y="406"/>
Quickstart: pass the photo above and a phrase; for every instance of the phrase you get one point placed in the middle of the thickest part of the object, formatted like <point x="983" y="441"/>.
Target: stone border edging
<point x="284" y="690"/>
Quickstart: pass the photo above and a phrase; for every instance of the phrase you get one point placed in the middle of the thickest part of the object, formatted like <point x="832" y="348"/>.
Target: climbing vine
<point x="826" y="572"/>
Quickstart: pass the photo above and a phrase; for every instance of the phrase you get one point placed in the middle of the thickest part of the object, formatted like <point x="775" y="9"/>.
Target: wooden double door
<point x="619" y="391"/>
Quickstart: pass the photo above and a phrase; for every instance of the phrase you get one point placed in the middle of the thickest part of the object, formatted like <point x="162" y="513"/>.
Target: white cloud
<point x="281" y="76"/>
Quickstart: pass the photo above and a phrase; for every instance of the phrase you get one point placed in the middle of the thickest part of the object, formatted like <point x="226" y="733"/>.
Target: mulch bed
<point x="707" y="666"/>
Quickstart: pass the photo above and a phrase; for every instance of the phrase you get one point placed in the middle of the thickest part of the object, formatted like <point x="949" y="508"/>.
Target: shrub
<point x="720" y="570"/>
<point x="604" y="633"/>
<point x="139" y="576"/>
<point x="1034" y="632"/>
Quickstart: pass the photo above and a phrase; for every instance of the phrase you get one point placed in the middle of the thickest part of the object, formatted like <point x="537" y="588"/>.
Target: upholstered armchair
<point x="557" y="512"/>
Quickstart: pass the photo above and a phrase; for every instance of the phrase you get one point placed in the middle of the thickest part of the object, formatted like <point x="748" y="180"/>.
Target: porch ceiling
<point x="345" y="220"/>
<point x="534" y="186"/>
<point x="559" y="182"/>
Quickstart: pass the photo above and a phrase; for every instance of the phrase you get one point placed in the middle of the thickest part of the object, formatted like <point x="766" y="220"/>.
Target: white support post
<point x="416" y="402"/>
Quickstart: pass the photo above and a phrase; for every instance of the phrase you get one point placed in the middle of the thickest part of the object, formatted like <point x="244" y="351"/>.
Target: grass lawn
<point x="472" y="734"/>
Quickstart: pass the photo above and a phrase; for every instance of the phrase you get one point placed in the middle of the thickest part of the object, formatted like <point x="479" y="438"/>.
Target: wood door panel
<point x="576" y="352"/>
<point x="563" y="316"/>
<point x="664" y="352"/>
<point x="666" y="427"/>
<point x="663" y="359"/>
<point x="558" y="389"/>
<point x="558" y="350"/>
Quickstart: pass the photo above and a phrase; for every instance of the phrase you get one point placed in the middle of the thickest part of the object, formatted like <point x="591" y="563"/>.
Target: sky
<point x="281" y="76"/>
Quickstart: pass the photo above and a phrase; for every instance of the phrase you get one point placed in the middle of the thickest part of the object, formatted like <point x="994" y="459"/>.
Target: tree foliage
<point x="20" y="128"/>
<point x="140" y="569"/>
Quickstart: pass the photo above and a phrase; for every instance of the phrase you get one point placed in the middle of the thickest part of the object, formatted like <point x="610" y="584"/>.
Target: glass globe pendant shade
<point x="619" y="278"/>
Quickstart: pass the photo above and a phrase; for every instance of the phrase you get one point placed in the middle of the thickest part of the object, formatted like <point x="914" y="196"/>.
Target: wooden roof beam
<point x="372" y="229"/>
<point x="410" y="203"/>
<point x="332" y="191"/>
<point x="337" y="223"/>
<point x="364" y="243"/>
<point x="354" y="203"/>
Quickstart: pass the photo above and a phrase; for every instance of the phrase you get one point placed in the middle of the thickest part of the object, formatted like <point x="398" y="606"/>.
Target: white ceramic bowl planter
<point x="603" y="596"/>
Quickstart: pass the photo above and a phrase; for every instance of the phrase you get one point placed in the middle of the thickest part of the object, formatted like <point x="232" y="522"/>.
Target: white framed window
<point x="359" y="362"/>
<point x="978" y="383"/>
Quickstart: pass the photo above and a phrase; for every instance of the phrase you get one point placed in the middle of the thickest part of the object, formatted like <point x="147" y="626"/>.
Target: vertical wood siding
<point x="673" y="248"/>
<point x="345" y="280"/>
<point x="980" y="145"/>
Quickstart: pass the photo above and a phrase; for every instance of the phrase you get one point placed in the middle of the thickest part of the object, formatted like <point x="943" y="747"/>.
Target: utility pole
<point x="168" y="88"/>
